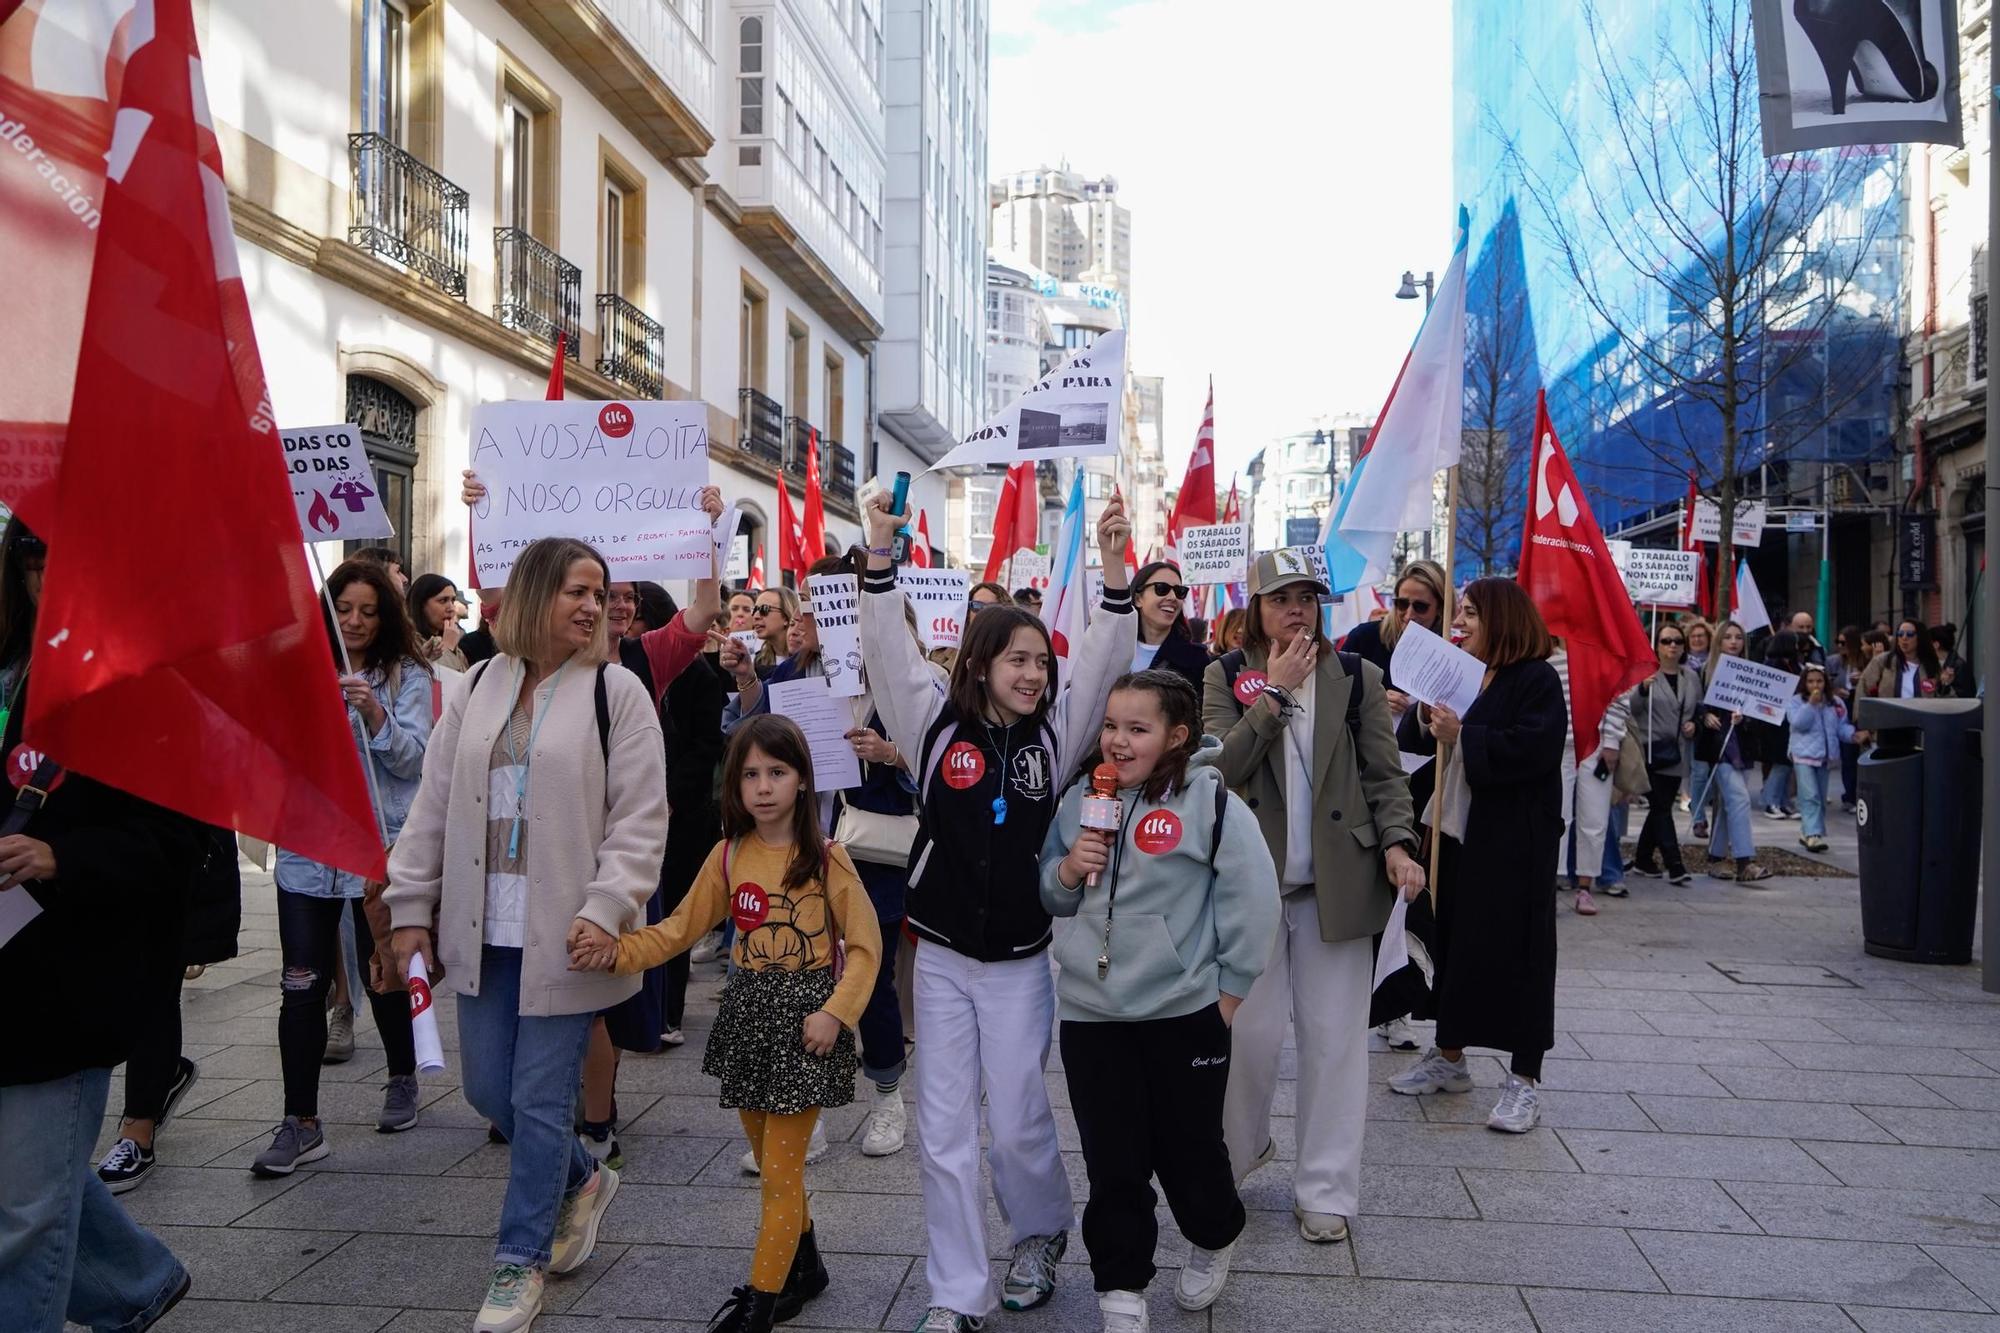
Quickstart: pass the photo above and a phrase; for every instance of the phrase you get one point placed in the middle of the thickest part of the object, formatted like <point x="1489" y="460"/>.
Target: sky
<point x="1284" y="161"/>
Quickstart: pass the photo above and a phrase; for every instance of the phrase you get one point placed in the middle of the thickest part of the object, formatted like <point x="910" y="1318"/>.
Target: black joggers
<point x="1658" y="834"/>
<point x="309" y="938"/>
<point x="1147" y="1097"/>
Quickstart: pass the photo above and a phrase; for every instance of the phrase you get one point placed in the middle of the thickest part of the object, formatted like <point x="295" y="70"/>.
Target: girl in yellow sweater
<point x="783" y="1042"/>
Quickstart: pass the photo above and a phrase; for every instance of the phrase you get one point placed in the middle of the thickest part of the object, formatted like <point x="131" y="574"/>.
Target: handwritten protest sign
<point x="1666" y="578"/>
<point x="1215" y="553"/>
<point x="1072" y="412"/>
<point x="1432" y="670"/>
<point x="834" y="603"/>
<point x="1746" y="528"/>
<point x="938" y="598"/>
<point x="625" y="477"/>
<point x="1027" y="569"/>
<point x="1750" y="688"/>
<point x="332" y="487"/>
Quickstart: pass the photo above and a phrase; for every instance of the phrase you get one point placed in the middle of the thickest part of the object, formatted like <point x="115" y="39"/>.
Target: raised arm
<point x="900" y="679"/>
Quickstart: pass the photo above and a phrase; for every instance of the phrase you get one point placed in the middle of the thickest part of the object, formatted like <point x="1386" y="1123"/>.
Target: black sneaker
<point x="1614" y="890"/>
<point x="1679" y="877"/>
<point x="125" y="1166"/>
<point x="184" y="1076"/>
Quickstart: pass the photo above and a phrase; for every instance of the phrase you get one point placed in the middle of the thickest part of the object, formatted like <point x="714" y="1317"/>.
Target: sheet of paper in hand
<point x="624" y="477"/>
<point x="1435" y="671"/>
<point x="825" y="719"/>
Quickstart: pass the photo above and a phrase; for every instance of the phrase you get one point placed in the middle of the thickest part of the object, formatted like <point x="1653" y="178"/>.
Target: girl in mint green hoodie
<point x="1158" y="953"/>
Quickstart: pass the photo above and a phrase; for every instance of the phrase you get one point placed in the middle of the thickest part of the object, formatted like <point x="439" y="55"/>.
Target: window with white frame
<point x="385" y="70"/>
<point x="517" y="164"/>
<point x="750" y="72"/>
<point x="614" y="239"/>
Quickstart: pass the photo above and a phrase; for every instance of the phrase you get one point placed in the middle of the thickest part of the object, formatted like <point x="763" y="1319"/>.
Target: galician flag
<point x="1068" y="581"/>
<point x="1417" y="436"/>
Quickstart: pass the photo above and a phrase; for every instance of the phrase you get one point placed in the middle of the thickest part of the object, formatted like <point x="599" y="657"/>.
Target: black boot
<point x="747" y="1310"/>
<point x="807" y="1279"/>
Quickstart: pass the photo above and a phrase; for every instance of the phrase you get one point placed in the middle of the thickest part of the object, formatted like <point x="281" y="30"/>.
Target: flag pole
<point x="347" y="668"/>
<point x="1444" y="751"/>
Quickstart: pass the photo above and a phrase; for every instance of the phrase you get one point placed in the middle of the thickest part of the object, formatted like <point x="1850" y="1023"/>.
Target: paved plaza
<point x="1749" y="1124"/>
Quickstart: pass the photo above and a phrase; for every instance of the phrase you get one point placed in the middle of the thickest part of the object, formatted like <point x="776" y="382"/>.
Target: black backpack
<point x="603" y="704"/>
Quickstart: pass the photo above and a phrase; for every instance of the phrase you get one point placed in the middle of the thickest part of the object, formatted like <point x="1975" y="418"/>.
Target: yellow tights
<point x="780" y="1144"/>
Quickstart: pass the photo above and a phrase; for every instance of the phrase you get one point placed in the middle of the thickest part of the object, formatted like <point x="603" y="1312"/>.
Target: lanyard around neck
<point x="515" y="758"/>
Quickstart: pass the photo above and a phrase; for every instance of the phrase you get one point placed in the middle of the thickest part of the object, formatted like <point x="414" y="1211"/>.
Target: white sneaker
<point x="708" y="950"/>
<point x="1396" y="1035"/>
<point x="1123" y="1311"/>
<point x="887" y="1121"/>
<point x="1518" y="1108"/>
<point x="1320" y="1228"/>
<point x="1202" y="1277"/>
<point x="815" y="1149"/>
<point x="513" y="1299"/>
<point x="1433" y="1073"/>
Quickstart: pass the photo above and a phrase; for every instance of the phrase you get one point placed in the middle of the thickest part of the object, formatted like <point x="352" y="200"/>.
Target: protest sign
<point x="834" y="603"/>
<point x="1432" y="670"/>
<point x="938" y="598"/>
<point x="1215" y="553"/>
<point x="1750" y="688"/>
<point x="1666" y="578"/>
<point x="825" y="719"/>
<point x="332" y="487"/>
<point x="1073" y="412"/>
<point x="1028" y="569"/>
<point x="1746" y="529"/>
<point x="625" y="477"/>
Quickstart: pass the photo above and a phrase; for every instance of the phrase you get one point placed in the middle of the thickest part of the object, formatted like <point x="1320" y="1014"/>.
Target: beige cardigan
<point x="596" y="835"/>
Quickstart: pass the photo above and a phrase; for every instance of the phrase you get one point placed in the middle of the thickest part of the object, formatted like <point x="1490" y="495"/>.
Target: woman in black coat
<point x="1159" y="595"/>
<point x="1499" y="809"/>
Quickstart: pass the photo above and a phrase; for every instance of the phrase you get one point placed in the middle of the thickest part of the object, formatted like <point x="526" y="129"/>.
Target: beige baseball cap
<point x="1282" y="568"/>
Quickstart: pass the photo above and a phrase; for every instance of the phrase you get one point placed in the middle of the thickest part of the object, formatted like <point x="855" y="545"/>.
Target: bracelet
<point x="1281" y="696"/>
<point x="883" y="551"/>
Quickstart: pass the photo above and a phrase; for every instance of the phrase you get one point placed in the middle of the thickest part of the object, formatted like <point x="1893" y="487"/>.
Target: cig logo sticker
<point x="1249" y="685"/>
<point x="749" y="906"/>
<point x="1159" y="832"/>
<point x="420" y="995"/>
<point x="615" y="420"/>
<point x="964" y="765"/>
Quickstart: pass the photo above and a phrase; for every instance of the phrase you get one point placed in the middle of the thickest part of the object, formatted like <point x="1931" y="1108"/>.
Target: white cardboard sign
<point x="625" y="477"/>
<point x="1072" y="412"/>
<point x="1665" y="578"/>
<point x="1746" y="530"/>
<point x="332" y="487"/>
<point x="1752" y="689"/>
<point x="834" y="603"/>
<point x="938" y="598"/>
<point x="1027" y="569"/>
<point x="1215" y="553"/>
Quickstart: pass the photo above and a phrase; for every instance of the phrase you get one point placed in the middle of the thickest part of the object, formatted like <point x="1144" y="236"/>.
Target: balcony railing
<point x="400" y="209"/>
<point x="631" y="348"/>
<point x="536" y="290"/>
<point x="760" y="426"/>
<point x="798" y="434"/>
<point x="836" y="463"/>
<point x="1979" y="338"/>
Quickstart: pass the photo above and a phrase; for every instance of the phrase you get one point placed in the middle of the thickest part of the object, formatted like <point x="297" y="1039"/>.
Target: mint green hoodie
<point x="1181" y="931"/>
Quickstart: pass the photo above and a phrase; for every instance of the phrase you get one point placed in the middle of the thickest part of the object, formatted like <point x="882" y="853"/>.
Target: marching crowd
<point x="1206" y="833"/>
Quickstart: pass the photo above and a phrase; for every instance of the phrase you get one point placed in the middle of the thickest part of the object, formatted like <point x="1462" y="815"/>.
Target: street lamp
<point x="1408" y="291"/>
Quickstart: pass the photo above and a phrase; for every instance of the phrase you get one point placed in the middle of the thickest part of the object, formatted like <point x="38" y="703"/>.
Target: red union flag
<point x="144" y="367"/>
<point x="1196" y="501"/>
<point x="1568" y="572"/>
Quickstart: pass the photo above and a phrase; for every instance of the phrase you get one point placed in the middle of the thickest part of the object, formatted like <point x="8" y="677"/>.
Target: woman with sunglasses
<point x="1909" y="670"/>
<point x="1421" y="598"/>
<point x="1160" y="595"/>
<point x="1663" y="709"/>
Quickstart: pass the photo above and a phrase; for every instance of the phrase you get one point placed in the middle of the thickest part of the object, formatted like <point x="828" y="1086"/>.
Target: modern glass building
<point x="1533" y="136"/>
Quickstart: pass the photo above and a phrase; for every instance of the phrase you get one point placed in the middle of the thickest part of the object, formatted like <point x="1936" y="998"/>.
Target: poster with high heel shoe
<point x="1833" y="73"/>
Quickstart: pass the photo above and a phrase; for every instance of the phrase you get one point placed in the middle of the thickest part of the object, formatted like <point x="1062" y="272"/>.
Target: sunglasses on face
<point x="1672" y="643"/>
<point x="1161" y="588"/>
<point x="1414" y="605"/>
<point x="1906" y="634"/>
<point x="766" y="610"/>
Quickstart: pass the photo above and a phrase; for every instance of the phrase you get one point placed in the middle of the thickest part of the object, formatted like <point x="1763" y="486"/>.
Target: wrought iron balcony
<point x="536" y="290"/>
<point x="1979" y="338"/>
<point x="760" y="426"/>
<point x="798" y="434"/>
<point x="631" y="348"/>
<point x="400" y="209"/>
<point x="836" y="465"/>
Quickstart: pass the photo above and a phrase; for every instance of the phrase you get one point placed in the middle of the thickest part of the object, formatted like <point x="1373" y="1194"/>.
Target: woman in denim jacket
<point x="388" y="702"/>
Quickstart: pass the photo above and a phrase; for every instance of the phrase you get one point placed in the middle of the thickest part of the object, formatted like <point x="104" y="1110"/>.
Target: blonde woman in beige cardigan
<point x="539" y="828"/>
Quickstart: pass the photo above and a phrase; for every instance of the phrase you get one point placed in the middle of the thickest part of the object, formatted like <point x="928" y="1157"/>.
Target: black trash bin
<point x="1917" y="813"/>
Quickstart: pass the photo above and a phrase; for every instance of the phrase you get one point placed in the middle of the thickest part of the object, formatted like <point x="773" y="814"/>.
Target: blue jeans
<point x="1614" y="849"/>
<point x="521" y="1073"/>
<point x="1812" y="801"/>
<point x="68" y="1250"/>
<point x="1732" y="788"/>
<point x="1777" y="787"/>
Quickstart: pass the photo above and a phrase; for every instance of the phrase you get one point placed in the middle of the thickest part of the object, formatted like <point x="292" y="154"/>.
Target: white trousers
<point x="986" y="1028"/>
<point x="1589" y="812"/>
<point x="1323" y="990"/>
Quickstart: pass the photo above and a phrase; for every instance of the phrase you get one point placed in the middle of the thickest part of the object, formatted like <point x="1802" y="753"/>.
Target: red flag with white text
<point x="1568" y="572"/>
<point x="1196" y="502"/>
<point x="757" y="570"/>
<point x="232" y="715"/>
<point x="920" y="550"/>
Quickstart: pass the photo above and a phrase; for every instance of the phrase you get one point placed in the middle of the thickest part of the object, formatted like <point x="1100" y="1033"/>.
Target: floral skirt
<point x="757" y="1047"/>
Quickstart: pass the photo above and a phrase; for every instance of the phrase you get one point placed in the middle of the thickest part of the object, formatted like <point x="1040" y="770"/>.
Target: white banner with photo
<point x="1746" y="525"/>
<point x="1073" y="412"/>
<point x="1860" y="73"/>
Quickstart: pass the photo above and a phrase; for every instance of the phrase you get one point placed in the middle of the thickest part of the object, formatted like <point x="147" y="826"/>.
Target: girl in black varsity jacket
<point x="994" y="752"/>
